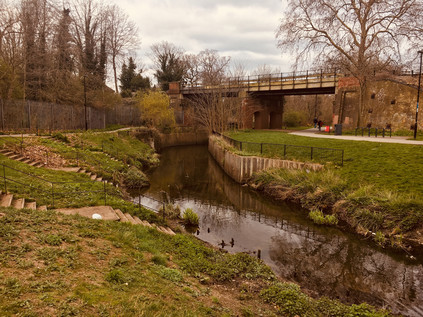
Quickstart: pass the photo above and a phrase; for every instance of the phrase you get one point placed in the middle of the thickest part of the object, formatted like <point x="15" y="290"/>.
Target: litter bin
<point x="338" y="129"/>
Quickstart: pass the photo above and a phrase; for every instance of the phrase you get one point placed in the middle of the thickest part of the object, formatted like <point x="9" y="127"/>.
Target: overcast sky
<point x="242" y="29"/>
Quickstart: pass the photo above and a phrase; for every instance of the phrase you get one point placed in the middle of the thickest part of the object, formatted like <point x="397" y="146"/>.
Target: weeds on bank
<point x="290" y="301"/>
<point x="88" y="267"/>
<point x="364" y="208"/>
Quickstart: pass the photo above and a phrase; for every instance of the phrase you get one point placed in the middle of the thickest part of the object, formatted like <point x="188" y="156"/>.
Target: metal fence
<point x="50" y="191"/>
<point x="373" y="131"/>
<point x="32" y="116"/>
<point x="290" y="152"/>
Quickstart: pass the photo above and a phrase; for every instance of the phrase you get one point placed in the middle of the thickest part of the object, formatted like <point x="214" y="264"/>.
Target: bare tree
<point x="10" y="51"/>
<point x="359" y="35"/>
<point x="213" y="66"/>
<point x="217" y="109"/>
<point x="122" y="37"/>
<point x="168" y="63"/>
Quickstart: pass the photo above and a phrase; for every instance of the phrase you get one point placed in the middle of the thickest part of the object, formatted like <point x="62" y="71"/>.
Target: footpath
<point x="314" y="133"/>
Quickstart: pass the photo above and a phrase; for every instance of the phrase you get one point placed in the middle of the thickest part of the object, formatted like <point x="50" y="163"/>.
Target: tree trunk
<point x="362" y="90"/>
<point x="114" y="73"/>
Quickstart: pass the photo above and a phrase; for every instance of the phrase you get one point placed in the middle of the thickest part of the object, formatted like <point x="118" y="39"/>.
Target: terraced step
<point x="93" y="177"/>
<point x="31" y="205"/>
<point x="6" y="200"/>
<point x="18" y="203"/>
<point x="99" y="179"/>
<point x="120" y="214"/>
<point x="42" y="208"/>
<point x="129" y="217"/>
<point x="137" y="220"/>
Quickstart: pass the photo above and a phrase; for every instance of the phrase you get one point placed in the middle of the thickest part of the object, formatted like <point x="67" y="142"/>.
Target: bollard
<point x="376" y="132"/>
<point x="259" y="254"/>
<point x="383" y="132"/>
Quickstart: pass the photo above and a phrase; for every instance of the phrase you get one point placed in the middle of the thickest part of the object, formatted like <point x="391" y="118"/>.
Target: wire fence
<point x="70" y="193"/>
<point x="289" y="152"/>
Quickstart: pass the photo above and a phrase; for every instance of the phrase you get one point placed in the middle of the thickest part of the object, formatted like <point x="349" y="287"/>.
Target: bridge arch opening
<point x="275" y="120"/>
<point x="258" y="120"/>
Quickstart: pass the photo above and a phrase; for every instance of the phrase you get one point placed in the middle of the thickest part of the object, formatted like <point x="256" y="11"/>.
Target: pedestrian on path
<point x="320" y="123"/>
<point x="315" y="122"/>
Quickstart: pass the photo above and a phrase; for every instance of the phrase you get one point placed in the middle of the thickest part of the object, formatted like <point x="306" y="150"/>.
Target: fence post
<point x="376" y="132"/>
<point x="52" y="194"/>
<point x="105" y="193"/>
<point x="5" y="179"/>
<point x="261" y="148"/>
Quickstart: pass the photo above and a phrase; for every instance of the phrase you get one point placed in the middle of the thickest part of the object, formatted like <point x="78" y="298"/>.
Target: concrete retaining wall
<point x="241" y="168"/>
<point x="183" y="138"/>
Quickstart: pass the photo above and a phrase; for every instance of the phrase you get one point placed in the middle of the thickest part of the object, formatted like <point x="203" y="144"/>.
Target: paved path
<point x="313" y="133"/>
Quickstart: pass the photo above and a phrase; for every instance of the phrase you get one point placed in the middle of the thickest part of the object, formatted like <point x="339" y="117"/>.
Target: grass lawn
<point x="69" y="189"/>
<point x="395" y="167"/>
<point x="57" y="265"/>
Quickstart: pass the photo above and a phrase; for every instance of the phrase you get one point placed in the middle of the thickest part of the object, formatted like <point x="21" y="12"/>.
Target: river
<point x="325" y="261"/>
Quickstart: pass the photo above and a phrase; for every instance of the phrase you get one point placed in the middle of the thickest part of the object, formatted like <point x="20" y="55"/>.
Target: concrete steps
<point x="7" y="200"/>
<point x="18" y="157"/>
<point x="126" y="217"/>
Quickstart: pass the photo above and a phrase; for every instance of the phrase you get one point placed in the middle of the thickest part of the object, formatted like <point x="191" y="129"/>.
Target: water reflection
<point x="323" y="260"/>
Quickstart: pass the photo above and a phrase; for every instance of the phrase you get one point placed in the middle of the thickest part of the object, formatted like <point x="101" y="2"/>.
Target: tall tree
<point x="213" y="66"/>
<point x="168" y="63"/>
<point x="131" y="80"/>
<point x="122" y="37"/>
<point x="359" y="35"/>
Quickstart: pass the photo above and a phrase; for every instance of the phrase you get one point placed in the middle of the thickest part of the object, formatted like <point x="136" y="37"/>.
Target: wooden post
<point x="2" y="114"/>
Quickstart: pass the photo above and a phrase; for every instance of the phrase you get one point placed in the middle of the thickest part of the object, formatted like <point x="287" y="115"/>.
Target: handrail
<point x="312" y="149"/>
<point x="53" y="191"/>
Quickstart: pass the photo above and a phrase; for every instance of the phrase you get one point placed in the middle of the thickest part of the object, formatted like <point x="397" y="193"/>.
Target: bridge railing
<point x="270" y="81"/>
<point x="289" y="151"/>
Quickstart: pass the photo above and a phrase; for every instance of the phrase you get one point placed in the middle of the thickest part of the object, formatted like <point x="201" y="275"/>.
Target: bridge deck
<point x="325" y="82"/>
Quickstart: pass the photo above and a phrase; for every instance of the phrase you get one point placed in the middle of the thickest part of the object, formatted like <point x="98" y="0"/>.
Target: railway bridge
<point x="262" y="95"/>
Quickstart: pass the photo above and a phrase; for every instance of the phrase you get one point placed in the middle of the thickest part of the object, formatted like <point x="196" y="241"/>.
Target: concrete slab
<point x="106" y="212"/>
<point x="18" y="203"/>
<point x="121" y="215"/>
<point x="65" y="169"/>
<point x="131" y="220"/>
<point x="6" y="200"/>
<point x="31" y="205"/>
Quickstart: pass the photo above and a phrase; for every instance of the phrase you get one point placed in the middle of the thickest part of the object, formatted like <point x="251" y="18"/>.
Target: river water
<point x="326" y="261"/>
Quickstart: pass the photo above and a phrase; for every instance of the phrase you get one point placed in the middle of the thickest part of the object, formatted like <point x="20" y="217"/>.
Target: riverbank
<point x="371" y="193"/>
<point x="136" y="268"/>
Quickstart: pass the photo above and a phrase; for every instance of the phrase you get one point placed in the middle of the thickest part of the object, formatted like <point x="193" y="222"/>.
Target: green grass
<point x="385" y="166"/>
<point x="122" y="145"/>
<point x="61" y="189"/>
<point x="57" y="265"/>
<point x="377" y="189"/>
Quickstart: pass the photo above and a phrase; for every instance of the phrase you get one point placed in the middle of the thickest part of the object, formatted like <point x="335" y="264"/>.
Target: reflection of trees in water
<point x="318" y="259"/>
<point x="347" y="270"/>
